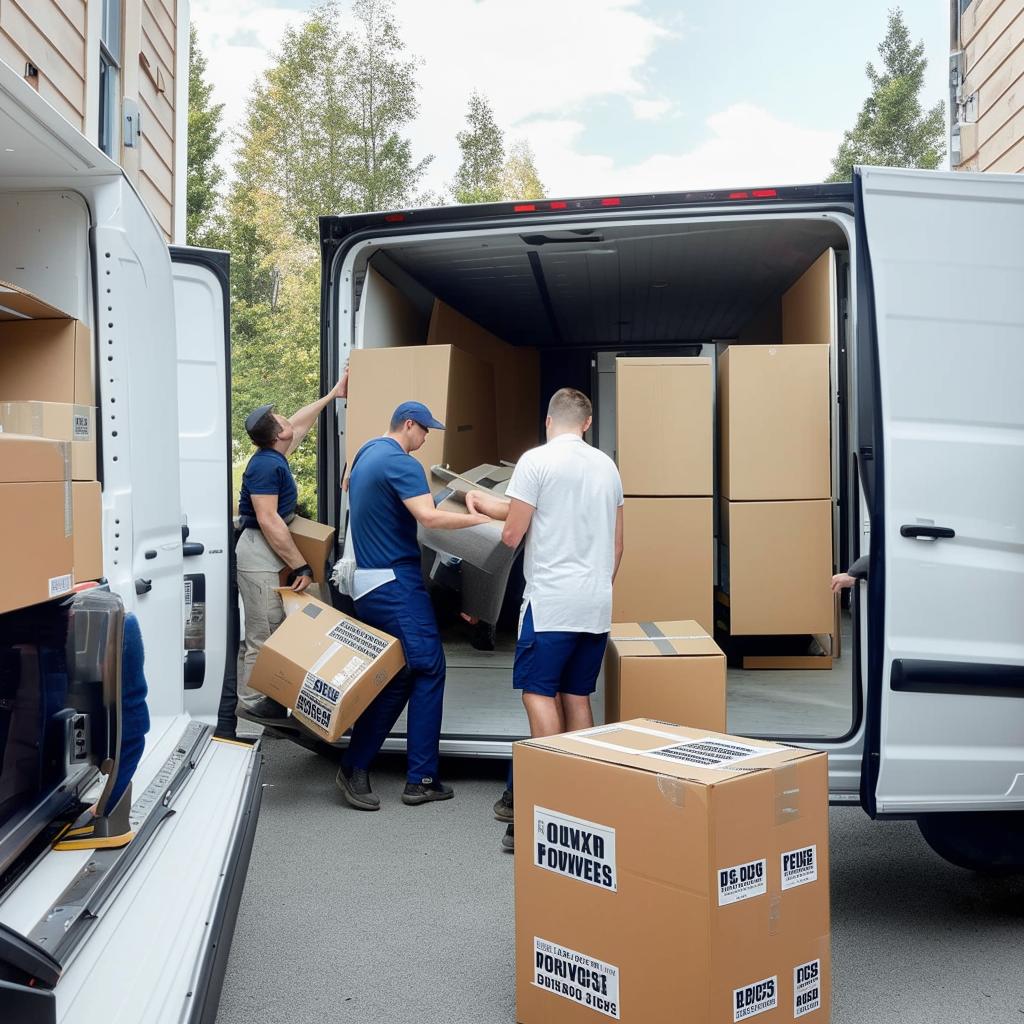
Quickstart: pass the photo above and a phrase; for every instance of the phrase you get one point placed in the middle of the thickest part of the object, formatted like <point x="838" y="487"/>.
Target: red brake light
<point x="611" y="201"/>
<point x="394" y="218"/>
<point x="559" y="204"/>
<point x="524" y="208"/>
<point x="764" y="193"/>
<point x="738" y="195"/>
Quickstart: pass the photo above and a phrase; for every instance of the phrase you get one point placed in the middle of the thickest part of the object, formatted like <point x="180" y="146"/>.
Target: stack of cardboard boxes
<point x="47" y="416"/>
<point x="665" y="438"/>
<point x="774" y="409"/>
<point x="665" y="873"/>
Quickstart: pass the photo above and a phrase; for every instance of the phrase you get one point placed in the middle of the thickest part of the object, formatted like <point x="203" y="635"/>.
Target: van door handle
<point x="191" y="548"/>
<point x="927" y="532"/>
<point x="143" y="586"/>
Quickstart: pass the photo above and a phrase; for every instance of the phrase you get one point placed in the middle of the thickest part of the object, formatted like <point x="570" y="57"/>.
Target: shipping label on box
<point x="574" y="847"/>
<point x="757" y="998"/>
<point x="582" y="979"/>
<point x="799" y="867"/>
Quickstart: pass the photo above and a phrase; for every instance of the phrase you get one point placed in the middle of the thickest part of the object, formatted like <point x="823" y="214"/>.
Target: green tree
<point x="380" y="96"/>
<point x="892" y="130"/>
<point x="519" y="177"/>
<point x="481" y="170"/>
<point x="204" y="139"/>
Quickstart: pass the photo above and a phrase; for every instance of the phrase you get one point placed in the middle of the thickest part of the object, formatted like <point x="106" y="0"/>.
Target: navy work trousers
<point x="403" y="609"/>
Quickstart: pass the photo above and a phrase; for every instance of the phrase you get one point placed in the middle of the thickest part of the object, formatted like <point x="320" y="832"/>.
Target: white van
<point x="141" y="932"/>
<point x="928" y="439"/>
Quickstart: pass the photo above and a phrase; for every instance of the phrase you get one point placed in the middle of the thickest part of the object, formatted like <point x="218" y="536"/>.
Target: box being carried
<point x="324" y="665"/>
<point x="667" y="874"/>
<point x="672" y="671"/>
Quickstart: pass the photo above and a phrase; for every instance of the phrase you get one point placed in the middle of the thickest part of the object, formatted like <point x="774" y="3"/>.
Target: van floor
<point x="806" y="704"/>
<point x="407" y="914"/>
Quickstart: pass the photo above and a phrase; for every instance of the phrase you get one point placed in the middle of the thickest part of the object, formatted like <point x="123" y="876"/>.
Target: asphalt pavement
<point x="405" y="915"/>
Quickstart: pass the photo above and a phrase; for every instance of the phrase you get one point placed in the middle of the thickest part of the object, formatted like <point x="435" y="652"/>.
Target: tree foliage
<point x="892" y="130"/>
<point x="519" y="178"/>
<point x="204" y="175"/>
<point x="479" y="178"/>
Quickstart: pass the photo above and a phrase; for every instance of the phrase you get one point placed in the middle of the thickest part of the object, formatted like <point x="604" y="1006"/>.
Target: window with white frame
<point x="109" y="135"/>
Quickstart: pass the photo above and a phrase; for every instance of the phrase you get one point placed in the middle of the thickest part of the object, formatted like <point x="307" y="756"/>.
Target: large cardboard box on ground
<point x="58" y="421"/>
<point x="315" y="542"/>
<point x="672" y="671"/>
<point x="667" y="570"/>
<point x="776" y="567"/>
<point x="665" y="425"/>
<point x="36" y="521"/>
<point x="325" y="666"/>
<point x="774" y="422"/>
<point x="45" y="355"/>
<point x="667" y="874"/>
<point x="87" y="540"/>
<point x="457" y="387"/>
<point x="516" y="377"/>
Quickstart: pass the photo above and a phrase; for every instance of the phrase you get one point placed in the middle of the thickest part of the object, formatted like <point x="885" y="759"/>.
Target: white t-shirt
<point x="570" y="546"/>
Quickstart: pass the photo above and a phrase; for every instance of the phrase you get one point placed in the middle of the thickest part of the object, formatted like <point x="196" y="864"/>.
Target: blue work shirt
<point x="383" y="529"/>
<point x="268" y="472"/>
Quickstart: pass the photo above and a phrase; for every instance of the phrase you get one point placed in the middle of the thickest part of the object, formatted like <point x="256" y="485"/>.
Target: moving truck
<point x="925" y="311"/>
<point x="140" y="931"/>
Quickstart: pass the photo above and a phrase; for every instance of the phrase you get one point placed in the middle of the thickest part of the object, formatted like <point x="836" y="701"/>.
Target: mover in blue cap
<point x="265" y="507"/>
<point x="388" y="496"/>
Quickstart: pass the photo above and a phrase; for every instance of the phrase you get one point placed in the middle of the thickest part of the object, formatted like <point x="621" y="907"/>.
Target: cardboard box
<point x="516" y="377"/>
<point x="58" y="421"/>
<point x="324" y="665"/>
<point x="87" y="509"/>
<point x="45" y="355"/>
<point x="665" y="425"/>
<point x="667" y="874"/>
<point x="809" y="307"/>
<point x="671" y="671"/>
<point x="457" y="388"/>
<point x="35" y="520"/>
<point x="774" y="422"/>
<point x="776" y="567"/>
<point x="315" y="542"/>
<point x="666" y="572"/>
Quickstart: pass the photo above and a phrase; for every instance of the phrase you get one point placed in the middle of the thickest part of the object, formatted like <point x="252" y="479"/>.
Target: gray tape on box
<point x="658" y="637"/>
<point x="69" y="512"/>
<point x="787" y="794"/>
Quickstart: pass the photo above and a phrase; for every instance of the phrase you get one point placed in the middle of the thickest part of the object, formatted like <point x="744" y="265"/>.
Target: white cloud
<point x="747" y="146"/>
<point x="651" y="110"/>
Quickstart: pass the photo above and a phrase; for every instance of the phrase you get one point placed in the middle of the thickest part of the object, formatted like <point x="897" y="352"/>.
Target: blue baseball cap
<point x="418" y="413"/>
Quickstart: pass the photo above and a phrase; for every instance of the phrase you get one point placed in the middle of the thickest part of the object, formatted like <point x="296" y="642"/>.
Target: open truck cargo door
<point x="940" y="294"/>
<point x="201" y="309"/>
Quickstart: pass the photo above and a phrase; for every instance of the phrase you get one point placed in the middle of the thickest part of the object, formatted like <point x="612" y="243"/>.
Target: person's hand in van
<point x="299" y="579"/>
<point x="482" y="503"/>
<point x="340" y="390"/>
<point x="841" y="581"/>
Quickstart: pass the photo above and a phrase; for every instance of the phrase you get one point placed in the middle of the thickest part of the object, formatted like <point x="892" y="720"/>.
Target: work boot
<point x="354" y="784"/>
<point x="503" y="808"/>
<point x="508" y="840"/>
<point x="426" y="791"/>
<point x="264" y="709"/>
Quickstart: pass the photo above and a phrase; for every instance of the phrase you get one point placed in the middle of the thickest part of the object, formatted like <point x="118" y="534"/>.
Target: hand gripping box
<point x="667" y="874"/>
<point x="325" y="666"/>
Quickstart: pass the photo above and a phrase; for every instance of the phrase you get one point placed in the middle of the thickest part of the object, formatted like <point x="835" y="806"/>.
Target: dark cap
<point x="418" y="413"/>
<point x="255" y="416"/>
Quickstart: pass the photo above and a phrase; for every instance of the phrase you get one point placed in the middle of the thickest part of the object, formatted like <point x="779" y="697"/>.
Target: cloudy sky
<point x="620" y="95"/>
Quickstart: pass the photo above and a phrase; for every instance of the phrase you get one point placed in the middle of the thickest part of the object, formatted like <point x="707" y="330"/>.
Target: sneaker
<point x="426" y="791"/>
<point x="503" y="808"/>
<point x="354" y="784"/>
<point x="263" y="710"/>
<point x="508" y="840"/>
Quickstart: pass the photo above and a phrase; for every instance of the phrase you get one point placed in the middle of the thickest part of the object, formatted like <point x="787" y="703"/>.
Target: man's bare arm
<point x="304" y="419"/>
<point x="619" y="541"/>
<point x="432" y="518"/>
<point x="278" y="536"/>
<point x="488" y="504"/>
<point x="520" y="515"/>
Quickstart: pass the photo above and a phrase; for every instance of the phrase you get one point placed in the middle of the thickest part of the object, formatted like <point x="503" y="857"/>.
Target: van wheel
<point x="984" y="841"/>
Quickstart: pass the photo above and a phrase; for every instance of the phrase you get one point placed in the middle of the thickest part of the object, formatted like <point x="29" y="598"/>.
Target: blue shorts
<point x="555" y="662"/>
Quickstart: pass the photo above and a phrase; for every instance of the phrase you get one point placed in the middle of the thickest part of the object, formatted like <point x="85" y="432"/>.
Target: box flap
<point x="696" y="755"/>
<point x="18" y="304"/>
<point x="662" y="639"/>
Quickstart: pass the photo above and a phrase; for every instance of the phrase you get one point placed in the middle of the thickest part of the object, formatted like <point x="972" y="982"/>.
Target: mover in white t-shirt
<point x="565" y="497"/>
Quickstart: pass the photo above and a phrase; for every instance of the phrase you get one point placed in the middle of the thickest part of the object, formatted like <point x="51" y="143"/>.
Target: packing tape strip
<point x="664" y="636"/>
<point x="673" y="790"/>
<point x="787" y="794"/>
<point x="69" y="511"/>
<point x="775" y="915"/>
<point x="663" y="645"/>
